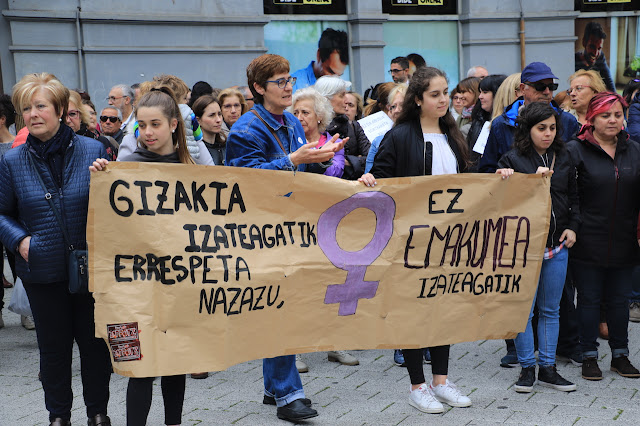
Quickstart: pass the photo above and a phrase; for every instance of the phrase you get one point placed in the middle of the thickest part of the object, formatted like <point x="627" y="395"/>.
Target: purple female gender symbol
<point x="355" y="262"/>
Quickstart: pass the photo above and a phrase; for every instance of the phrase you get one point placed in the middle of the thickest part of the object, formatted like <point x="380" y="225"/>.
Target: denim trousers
<point x="281" y="379"/>
<point x="547" y="298"/>
<point x="61" y="318"/>
<point x="611" y="285"/>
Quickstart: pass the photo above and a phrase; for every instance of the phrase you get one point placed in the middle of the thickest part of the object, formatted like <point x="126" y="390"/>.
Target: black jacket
<point x="356" y="148"/>
<point x="565" y="209"/>
<point x="609" y="201"/>
<point x="403" y="152"/>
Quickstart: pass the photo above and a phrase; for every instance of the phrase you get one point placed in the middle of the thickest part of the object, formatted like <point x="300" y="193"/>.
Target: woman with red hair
<point x="608" y="175"/>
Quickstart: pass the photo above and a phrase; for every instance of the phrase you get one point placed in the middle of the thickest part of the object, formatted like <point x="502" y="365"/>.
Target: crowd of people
<point x="52" y="138"/>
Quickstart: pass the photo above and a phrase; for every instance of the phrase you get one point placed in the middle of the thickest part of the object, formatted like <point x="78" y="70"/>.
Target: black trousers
<point x="569" y="336"/>
<point x="439" y="362"/>
<point x="139" y="393"/>
<point x="61" y="318"/>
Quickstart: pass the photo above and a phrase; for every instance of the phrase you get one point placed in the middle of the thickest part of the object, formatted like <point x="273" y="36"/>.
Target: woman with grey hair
<point x="357" y="147"/>
<point x="315" y="113"/>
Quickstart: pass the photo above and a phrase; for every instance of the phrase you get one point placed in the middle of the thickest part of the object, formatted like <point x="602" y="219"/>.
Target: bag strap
<point x="553" y="161"/>
<point x="47" y="196"/>
<point x="271" y="130"/>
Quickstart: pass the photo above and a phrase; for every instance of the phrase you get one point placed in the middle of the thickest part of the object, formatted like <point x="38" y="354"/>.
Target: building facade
<point x="94" y="44"/>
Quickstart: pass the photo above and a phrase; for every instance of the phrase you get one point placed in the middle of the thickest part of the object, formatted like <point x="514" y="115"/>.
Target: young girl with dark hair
<point x="538" y="148"/>
<point x="424" y="141"/>
<point x="162" y="140"/>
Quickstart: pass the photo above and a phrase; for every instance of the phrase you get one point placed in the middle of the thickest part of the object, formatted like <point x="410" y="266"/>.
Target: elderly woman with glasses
<point x="583" y="86"/>
<point x="357" y="146"/>
<point x="233" y="105"/>
<point x="78" y="119"/>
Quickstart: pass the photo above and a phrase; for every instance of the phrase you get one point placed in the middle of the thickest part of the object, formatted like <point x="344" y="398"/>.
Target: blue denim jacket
<point x="251" y="144"/>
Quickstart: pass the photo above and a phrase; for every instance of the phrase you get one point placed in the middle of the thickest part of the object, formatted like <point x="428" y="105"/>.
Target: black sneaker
<point x="548" y="376"/>
<point x="623" y="367"/>
<point x="590" y="369"/>
<point x="526" y="380"/>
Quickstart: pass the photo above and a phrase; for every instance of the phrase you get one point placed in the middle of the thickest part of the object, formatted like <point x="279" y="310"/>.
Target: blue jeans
<point x="548" y="295"/>
<point x="281" y="379"/>
<point x="635" y="285"/>
<point x="595" y="283"/>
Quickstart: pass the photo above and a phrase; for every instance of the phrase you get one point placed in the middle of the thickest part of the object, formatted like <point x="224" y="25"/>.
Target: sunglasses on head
<point x="104" y="119"/>
<point x="541" y="86"/>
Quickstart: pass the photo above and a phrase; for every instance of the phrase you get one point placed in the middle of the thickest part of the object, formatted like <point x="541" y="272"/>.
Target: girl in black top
<point x="162" y="140"/>
<point x="424" y="141"/>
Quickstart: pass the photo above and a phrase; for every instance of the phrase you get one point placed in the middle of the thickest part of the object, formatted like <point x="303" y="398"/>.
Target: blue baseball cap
<point x="536" y="71"/>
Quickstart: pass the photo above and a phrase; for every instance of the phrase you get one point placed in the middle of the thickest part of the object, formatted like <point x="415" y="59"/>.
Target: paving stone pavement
<point x="372" y="393"/>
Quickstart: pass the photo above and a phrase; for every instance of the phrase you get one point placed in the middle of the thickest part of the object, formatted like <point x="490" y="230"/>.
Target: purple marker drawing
<point x="355" y="262"/>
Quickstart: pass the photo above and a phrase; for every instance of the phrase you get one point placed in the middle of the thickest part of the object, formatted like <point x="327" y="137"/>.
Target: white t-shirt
<point x="443" y="161"/>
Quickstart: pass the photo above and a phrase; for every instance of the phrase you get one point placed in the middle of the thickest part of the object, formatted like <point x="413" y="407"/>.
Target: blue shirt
<point x="305" y="77"/>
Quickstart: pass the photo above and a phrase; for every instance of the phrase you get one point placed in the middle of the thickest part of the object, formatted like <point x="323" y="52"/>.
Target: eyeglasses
<point x="104" y="118"/>
<point x="113" y="98"/>
<point x="578" y="89"/>
<point x="282" y="82"/>
<point x="396" y="71"/>
<point x="231" y="106"/>
<point x="541" y="86"/>
<point x="73" y="113"/>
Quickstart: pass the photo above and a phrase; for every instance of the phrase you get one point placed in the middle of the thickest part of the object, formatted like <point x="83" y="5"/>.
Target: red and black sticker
<point x="126" y="351"/>
<point x="124" y="340"/>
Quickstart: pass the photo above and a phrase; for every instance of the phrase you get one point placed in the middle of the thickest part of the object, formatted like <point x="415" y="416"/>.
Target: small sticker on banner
<point x="124" y="341"/>
<point x="126" y="351"/>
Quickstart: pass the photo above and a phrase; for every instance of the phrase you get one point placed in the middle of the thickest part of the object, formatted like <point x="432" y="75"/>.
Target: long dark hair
<point x="411" y="111"/>
<point x="529" y="117"/>
<point x="491" y="84"/>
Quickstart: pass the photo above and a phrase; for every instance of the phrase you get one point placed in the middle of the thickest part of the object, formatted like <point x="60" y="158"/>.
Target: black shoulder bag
<point x="77" y="261"/>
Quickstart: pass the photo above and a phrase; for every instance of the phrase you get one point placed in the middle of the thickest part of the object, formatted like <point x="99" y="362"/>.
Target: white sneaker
<point x="300" y="364"/>
<point x="424" y="400"/>
<point x="27" y="322"/>
<point x="450" y="395"/>
<point x="343" y="357"/>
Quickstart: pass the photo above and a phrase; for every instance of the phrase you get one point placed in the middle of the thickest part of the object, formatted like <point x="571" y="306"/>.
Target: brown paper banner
<point x="198" y="268"/>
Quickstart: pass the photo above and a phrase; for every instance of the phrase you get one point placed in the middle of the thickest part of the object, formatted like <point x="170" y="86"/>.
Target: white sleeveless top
<point x="443" y="161"/>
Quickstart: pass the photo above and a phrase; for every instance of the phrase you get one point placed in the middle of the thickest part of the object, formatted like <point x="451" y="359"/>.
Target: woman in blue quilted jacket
<point x="29" y="227"/>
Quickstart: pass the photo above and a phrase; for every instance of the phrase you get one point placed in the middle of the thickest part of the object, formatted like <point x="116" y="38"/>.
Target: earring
<point x="173" y="131"/>
<point x="60" y="119"/>
<point x="419" y="105"/>
<point x="318" y="121"/>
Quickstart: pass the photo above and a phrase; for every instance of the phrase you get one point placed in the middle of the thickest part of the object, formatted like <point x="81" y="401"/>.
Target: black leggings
<point x="139" y="399"/>
<point x="439" y="362"/>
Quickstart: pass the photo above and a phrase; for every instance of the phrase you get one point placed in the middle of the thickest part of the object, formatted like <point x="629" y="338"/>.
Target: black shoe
<point x="590" y="369"/>
<point x="510" y="360"/>
<point x="548" y="376"/>
<point x="623" y="367"/>
<point x="574" y="358"/>
<point x="99" y="420"/>
<point x="269" y="400"/>
<point x="295" y="411"/>
<point x="59" y="422"/>
<point x="526" y="380"/>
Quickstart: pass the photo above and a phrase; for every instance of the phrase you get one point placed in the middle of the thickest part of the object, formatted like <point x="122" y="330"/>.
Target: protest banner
<point x="197" y="268"/>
